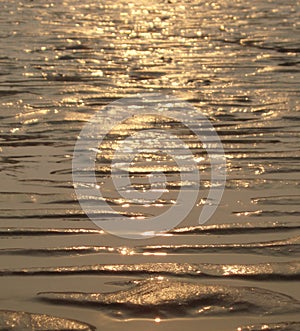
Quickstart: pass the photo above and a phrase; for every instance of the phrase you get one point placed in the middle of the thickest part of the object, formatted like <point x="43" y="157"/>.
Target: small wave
<point x="277" y="247"/>
<point x="169" y="299"/>
<point x="45" y="232"/>
<point x="282" y="326"/>
<point x="215" y="229"/>
<point x="286" y="247"/>
<point x="22" y="321"/>
<point x="278" y="200"/>
<point x="237" y="228"/>
<point x="59" y="251"/>
<point x="62" y="214"/>
<point x="263" y="271"/>
<point x="267" y="213"/>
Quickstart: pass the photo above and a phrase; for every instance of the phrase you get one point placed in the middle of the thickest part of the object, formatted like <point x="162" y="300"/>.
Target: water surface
<point x="235" y="61"/>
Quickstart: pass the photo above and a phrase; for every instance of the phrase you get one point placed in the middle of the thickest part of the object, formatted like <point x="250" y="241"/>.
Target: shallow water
<point x="235" y="61"/>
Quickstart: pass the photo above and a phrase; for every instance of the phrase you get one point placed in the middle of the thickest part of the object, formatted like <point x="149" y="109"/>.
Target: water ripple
<point x="277" y="248"/>
<point x="167" y="299"/>
<point x="279" y="271"/>
<point x="285" y="247"/>
<point x="22" y="321"/>
<point x="282" y="326"/>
